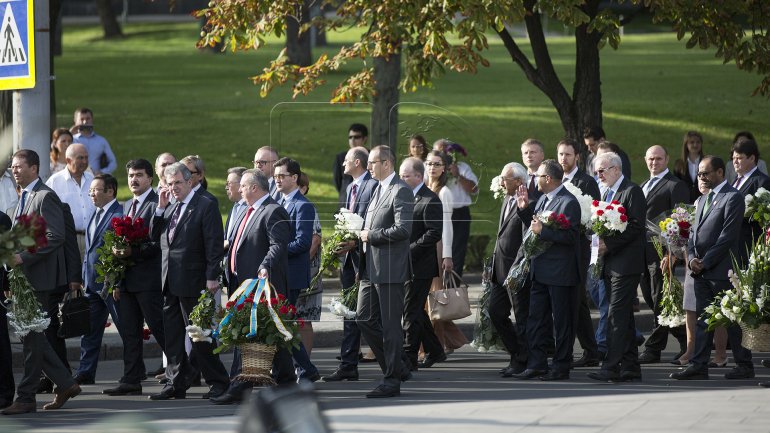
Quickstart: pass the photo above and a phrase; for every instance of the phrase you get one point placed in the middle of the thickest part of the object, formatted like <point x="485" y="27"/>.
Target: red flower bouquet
<point x="115" y="255"/>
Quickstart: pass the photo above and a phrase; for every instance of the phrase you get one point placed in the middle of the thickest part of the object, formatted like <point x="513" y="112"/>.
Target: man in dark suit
<point x="358" y="134"/>
<point x="554" y="275"/>
<point x="359" y="193"/>
<point x="568" y="152"/>
<point x="749" y="179"/>
<point x="259" y="250"/>
<point x="264" y="161"/>
<point x="103" y="191"/>
<point x="46" y="271"/>
<point x="302" y="214"/>
<point x="426" y="232"/>
<point x="592" y="137"/>
<point x="140" y="293"/>
<point x="715" y="239"/>
<point x="190" y="235"/>
<point x="385" y="267"/>
<point x="532" y="155"/>
<point x="623" y="255"/>
<point x="663" y="192"/>
<point x="7" y="382"/>
<point x="509" y="237"/>
<point x="197" y="168"/>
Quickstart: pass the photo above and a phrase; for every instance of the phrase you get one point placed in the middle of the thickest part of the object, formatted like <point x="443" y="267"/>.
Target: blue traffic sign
<point x="17" y="45"/>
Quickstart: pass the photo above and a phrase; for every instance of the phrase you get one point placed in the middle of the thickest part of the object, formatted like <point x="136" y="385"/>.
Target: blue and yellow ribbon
<point x="261" y="288"/>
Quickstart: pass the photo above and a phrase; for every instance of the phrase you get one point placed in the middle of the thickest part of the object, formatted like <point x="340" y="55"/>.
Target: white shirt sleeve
<point x="446" y="231"/>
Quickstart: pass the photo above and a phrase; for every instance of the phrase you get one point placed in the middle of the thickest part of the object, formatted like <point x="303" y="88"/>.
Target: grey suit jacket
<point x="46" y="268"/>
<point x="716" y="234"/>
<point x="389" y="221"/>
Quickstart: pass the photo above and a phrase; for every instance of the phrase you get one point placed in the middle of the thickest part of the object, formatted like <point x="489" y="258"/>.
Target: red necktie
<point x="234" y="247"/>
<point x="352" y="202"/>
<point x="738" y="182"/>
<point x="132" y="209"/>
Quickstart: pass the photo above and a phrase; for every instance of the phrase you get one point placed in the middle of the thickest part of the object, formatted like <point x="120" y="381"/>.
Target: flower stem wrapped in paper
<point x="671" y="307"/>
<point x="203" y="318"/>
<point x="675" y="229"/>
<point x="347" y="227"/>
<point x="607" y="220"/>
<point x="533" y="246"/>
<point x="345" y="306"/>
<point x="115" y="255"/>
<point x="485" y="337"/>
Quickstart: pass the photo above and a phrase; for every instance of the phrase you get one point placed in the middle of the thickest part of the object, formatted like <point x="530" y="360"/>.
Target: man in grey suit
<point x="663" y="192"/>
<point x="623" y="265"/>
<point x="715" y="239"/>
<point x="259" y="250"/>
<point x="190" y="235"/>
<point x="555" y="275"/>
<point x="385" y="267"/>
<point x="140" y="293"/>
<point x="46" y="271"/>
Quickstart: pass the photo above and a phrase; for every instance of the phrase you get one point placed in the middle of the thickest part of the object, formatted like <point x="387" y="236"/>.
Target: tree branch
<point x="553" y="85"/>
<point x="521" y="59"/>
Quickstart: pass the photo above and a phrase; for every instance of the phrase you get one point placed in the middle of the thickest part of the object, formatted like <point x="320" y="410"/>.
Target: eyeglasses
<point x="282" y="176"/>
<point x="263" y="162"/>
<point x="704" y="173"/>
<point x="195" y="172"/>
<point x="92" y="191"/>
<point x="434" y="164"/>
<point x="368" y="163"/>
<point x="166" y="164"/>
<point x="602" y="170"/>
<point x="355" y="137"/>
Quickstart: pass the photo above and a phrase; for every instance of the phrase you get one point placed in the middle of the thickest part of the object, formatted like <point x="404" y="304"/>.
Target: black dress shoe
<point x="405" y="375"/>
<point x="157" y="371"/>
<point x="766" y="363"/>
<point x="124" y="389"/>
<point x="630" y="376"/>
<point x="215" y="391"/>
<point x="430" y="360"/>
<point x="5" y="402"/>
<point x="740" y="372"/>
<point x="587" y="360"/>
<point x="168" y="394"/>
<point x="82" y="379"/>
<point x="311" y="378"/>
<point x="604" y="376"/>
<point x="45" y="386"/>
<point x="512" y="370"/>
<point x="649" y="358"/>
<point x="384" y="391"/>
<point x="340" y="374"/>
<point x="529" y="374"/>
<point x="555" y="375"/>
<point x="226" y="398"/>
<point x="764" y="384"/>
<point x="691" y="373"/>
<point x="677" y="356"/>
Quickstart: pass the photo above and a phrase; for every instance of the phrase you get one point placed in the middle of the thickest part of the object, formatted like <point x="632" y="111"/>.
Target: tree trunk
<point x="318" y="33"/>
<point x="587" y="91"/>
<point x="387" y="75"/>
<point x="298" y="48"/>
<point x="56" y="50"/>
<point x="108" y="19"/>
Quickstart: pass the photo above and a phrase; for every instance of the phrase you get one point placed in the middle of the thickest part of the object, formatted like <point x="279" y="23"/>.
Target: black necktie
<point x="174" y="221"/>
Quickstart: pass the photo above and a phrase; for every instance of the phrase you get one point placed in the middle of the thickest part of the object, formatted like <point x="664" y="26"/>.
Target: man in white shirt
<point x="101" y="159"/>
<point x="71" y="185"/>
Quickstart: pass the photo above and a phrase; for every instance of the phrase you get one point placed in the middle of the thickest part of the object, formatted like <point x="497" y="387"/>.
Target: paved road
<point x="457" y="396"/>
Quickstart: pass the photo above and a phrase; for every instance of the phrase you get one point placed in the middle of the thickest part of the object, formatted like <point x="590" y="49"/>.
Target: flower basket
<point x="256" y="362"/>
<point x="756" y="339"/>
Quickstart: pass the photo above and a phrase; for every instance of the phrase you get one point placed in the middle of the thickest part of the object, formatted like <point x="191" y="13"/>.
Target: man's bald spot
<point x="75" y="148"/>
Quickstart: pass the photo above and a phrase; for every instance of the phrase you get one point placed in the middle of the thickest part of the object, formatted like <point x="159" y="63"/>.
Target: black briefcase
<point x="74" y="316"/>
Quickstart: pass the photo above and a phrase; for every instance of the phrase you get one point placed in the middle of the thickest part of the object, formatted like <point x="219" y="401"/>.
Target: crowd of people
<point x="416" y="227"/>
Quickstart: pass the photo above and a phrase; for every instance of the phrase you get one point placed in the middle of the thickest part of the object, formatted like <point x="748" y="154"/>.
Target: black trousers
<point x="652" y="291"/>
<point x="417" y="327"/>
<point x="461" y="228"/>
<point x="7" y="383"/>
<point x="622" y="352"/>
<point x="514" y="336"/>
<point x="584" y="326"/>
<point x="57" y="343"/>
<point x="134" y="309"/>
<point x="550" y="302"/>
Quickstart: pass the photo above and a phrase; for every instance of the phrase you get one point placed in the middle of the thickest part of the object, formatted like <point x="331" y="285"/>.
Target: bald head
<point x="656" y="159"/>
<point x="77" y="159"/>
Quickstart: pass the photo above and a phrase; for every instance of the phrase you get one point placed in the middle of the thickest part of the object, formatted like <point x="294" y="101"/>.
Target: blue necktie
<point x="22" y="202"/>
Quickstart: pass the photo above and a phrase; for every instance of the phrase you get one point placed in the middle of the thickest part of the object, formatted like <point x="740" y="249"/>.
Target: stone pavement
<point x="328" y="331"/>
<point x="459" y="395"/>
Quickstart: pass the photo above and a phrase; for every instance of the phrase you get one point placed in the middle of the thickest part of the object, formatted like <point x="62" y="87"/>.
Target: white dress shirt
<point x="76" y="196"/>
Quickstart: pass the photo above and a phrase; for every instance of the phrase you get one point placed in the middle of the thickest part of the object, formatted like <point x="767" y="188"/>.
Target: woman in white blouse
<point x="436" y="165"/>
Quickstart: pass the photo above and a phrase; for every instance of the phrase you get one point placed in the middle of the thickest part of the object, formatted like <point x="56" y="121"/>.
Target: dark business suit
<point x="342" y="181"/>
<point x="7" y="383"/>
<point x="351" y="335"/>
<point x="664" y="195"/>
<point x="715" y="240"/>
<point x="91" y="343"/>
<point x="682" y="172"/>
<point x="584" y="326"/>
<point x="751" y="230"/>
<point x="46" y="271"/>
<point x="205" y="193"/>
<point x="555" y="275"/>
<point x="509" y="237"/>
<point x="426" y="232"/>
<point x="192" y="257"/>
<point x="385" y="267"/>
<point x="263" y="245"/>
<point x="141" y="296"/>
<point x="623" y="266"/>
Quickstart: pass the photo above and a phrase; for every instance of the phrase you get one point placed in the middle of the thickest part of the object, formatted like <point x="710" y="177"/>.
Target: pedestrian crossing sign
<point x="17" y="45"/>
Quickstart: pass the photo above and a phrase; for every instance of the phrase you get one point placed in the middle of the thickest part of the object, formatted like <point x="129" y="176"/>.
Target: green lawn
<point x="153" y="92"/>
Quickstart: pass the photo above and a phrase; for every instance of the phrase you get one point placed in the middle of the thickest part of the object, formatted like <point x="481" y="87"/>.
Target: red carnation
<point x="146" y="333"/>
<point x="623" y="218"/>
<point x="610" y="208"/>
<point x="281" y="297"/>
<point x="595" y="203"/>
<point x="599" y="212"/>
<point x="301" y="323"/>
<point x="615" y="202"/>
<point x="239" y="307"/>
<point x="284" y="310"/>
<point x="621" y="209"/>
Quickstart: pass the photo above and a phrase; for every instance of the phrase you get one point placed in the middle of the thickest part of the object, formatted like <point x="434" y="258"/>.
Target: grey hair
<point x="175" y="168"/>
<point x="610" y="157"/>
<point x="236" y="170"/>
<point x="72" y="148"/>
<point x="553" y="169"/>
<point x="361" y="154"/>
<point x="415" y="164"/>
<point x="257" y="178"/>
<point x="196" y="161"/>
<point x="517" y="170"/>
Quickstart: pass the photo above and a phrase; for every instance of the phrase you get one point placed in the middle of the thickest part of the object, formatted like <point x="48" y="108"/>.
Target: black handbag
<point x="74" y="316"/>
